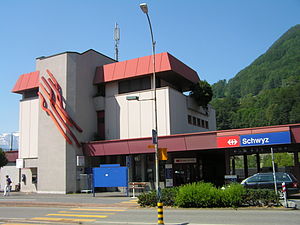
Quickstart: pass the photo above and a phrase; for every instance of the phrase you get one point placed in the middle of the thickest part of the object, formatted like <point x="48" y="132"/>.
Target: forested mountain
<point x="267" y="92"/>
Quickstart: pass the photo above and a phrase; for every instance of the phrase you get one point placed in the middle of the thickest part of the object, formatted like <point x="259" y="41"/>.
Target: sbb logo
<point x="232" y="141"/>
<point x="229" y="141"/>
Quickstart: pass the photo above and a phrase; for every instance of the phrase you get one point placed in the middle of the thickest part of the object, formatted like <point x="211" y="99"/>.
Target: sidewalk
<point x="102" y="199"/>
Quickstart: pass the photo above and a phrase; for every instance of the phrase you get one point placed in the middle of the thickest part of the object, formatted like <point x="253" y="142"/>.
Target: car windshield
<point x="252" y="179"/>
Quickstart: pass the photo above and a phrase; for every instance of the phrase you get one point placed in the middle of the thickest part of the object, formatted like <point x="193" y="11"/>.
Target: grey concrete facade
<point x="56" y="163"/>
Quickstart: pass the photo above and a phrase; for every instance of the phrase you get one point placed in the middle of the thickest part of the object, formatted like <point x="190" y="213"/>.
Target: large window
<point x="134" y="85"/>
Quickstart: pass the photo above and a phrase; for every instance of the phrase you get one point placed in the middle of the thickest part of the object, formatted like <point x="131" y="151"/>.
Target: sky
<point x="217" y="38"/>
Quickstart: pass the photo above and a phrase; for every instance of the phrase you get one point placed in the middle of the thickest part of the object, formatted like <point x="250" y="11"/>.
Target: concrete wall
<point x="57" y="170"/>
<point x="51" y="144"/>
<point x="134" y="119"/>
<point x="28" y="125"/>
<point x="80" y="106"/>
<point x="10" y="170"/>
<point x="181" y="106"/>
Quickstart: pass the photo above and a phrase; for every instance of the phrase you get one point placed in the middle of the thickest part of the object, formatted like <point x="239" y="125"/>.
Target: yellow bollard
<point x="160" y="213"/>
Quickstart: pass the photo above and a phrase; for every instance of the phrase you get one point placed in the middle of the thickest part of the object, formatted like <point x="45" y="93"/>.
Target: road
<point x="145" y="216"/>
<point x="110" y="209"/>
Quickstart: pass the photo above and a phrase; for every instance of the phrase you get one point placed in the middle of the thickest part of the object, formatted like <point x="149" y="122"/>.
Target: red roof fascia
<point x="180" y="142"/>
<point x="143" y="66"/>
<point x="27" y="81"/>
<point x="11" y="156"/>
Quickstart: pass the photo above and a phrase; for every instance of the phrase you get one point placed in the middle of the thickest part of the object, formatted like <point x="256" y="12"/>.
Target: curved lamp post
<point x="160" y="216"/>
<point x="144" y="8"/>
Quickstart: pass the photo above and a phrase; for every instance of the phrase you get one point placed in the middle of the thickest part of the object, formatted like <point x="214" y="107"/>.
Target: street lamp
<point x="144" y="8"/>
<point x="160" y="216"/>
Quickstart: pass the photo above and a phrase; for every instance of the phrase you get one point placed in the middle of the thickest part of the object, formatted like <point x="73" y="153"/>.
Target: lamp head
<point x="144" y="7"/>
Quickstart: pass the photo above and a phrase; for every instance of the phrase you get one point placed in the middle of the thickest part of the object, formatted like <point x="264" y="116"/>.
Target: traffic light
<point x="162" y="154"/>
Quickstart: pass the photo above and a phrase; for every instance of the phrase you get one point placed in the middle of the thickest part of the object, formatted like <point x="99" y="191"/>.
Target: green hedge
<point x="260" y="197"/>
<point x="167" y="197"/>
<point x="205" y="195"/>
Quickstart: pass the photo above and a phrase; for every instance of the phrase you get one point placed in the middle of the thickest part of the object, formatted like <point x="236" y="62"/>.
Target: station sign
<point x="266" y="139"/>
<point x="254" y="140"/>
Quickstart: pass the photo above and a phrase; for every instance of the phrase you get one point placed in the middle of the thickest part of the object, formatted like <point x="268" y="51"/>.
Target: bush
<point x="198" y="195"/>
<point x="260" y="197"/>
<point x="232" y="195"/>
<point x="147" y="199"/>
<point x="205" y="195"/>
<point x="167" y="197"/>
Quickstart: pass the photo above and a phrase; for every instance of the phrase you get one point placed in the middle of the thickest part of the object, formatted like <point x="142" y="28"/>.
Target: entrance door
<point x="186" y="173"/>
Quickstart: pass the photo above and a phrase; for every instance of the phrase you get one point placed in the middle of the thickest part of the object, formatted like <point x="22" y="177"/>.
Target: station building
<point x="82" y="110"/>
<point x="76" y="113"/>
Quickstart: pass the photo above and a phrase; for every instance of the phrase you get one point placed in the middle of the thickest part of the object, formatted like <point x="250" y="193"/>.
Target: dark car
<point x="266" y="181"/>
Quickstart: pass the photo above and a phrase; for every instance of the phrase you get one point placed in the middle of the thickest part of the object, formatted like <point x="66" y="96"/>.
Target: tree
<point x="3" y="159"/>
<point x="202" y="93"/>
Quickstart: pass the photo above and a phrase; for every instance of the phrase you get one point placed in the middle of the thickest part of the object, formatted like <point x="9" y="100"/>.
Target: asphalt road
<point x="112" y="208"/>
<point x="141" y="216"/>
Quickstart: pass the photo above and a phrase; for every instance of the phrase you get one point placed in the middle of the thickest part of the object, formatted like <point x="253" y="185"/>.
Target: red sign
<point x="228" y="141"/>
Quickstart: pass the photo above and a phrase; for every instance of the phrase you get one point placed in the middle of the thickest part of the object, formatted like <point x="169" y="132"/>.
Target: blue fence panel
<point x="110" y="176"/>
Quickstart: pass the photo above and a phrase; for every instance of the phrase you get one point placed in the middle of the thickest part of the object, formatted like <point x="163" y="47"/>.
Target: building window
<point x="134" y="85"/>
<point x="101" y="90"/>
<point x="198" y="122"/>
<point x="101" y="125"/>
<point x="30" y="93"/>
<point x="202" y="123"/>
<point x="189" y="119"/>
<point x="194" y="120"/>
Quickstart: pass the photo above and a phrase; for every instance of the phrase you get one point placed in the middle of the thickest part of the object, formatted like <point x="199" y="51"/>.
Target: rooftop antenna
<point x="11" y="141"/>
<point x="117" y="39"/>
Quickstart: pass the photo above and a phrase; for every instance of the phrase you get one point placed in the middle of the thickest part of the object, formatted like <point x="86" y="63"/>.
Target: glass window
<point x="189" y="119"/>
<point x="194" y="120"/>
<point x="198" y="122"/>
<point x="139" y="84"/>
<point x="252" y="179"/>
<point x="266" y="178"/>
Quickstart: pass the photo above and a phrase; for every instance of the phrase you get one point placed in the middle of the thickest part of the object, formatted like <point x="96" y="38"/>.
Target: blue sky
<point x="217" y="38"/>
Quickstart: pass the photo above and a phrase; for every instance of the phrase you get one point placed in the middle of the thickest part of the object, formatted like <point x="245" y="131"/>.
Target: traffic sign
<point x="154" y="136"/>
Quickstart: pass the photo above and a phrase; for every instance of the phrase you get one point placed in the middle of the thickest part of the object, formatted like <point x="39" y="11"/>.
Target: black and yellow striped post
<point x="160" y="213"/>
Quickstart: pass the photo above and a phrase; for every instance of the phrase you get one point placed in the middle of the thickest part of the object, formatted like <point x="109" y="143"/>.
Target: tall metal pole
<point x="144" y="8"/>
<point x="155" y="106"/>
<point x="274" y="171"/>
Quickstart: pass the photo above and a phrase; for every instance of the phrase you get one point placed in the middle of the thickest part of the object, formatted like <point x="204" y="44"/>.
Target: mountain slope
<point x="265" y="93"/>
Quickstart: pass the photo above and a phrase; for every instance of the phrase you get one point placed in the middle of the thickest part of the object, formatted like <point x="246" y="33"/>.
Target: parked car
<point x="266" y="181"/>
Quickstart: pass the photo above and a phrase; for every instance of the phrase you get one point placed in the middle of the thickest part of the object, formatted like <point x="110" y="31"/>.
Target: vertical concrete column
<point x="296" y="165"/>
<point x="227" y="161"/>
<point x="246" y="166"/>
<point x="258" y="162"/>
